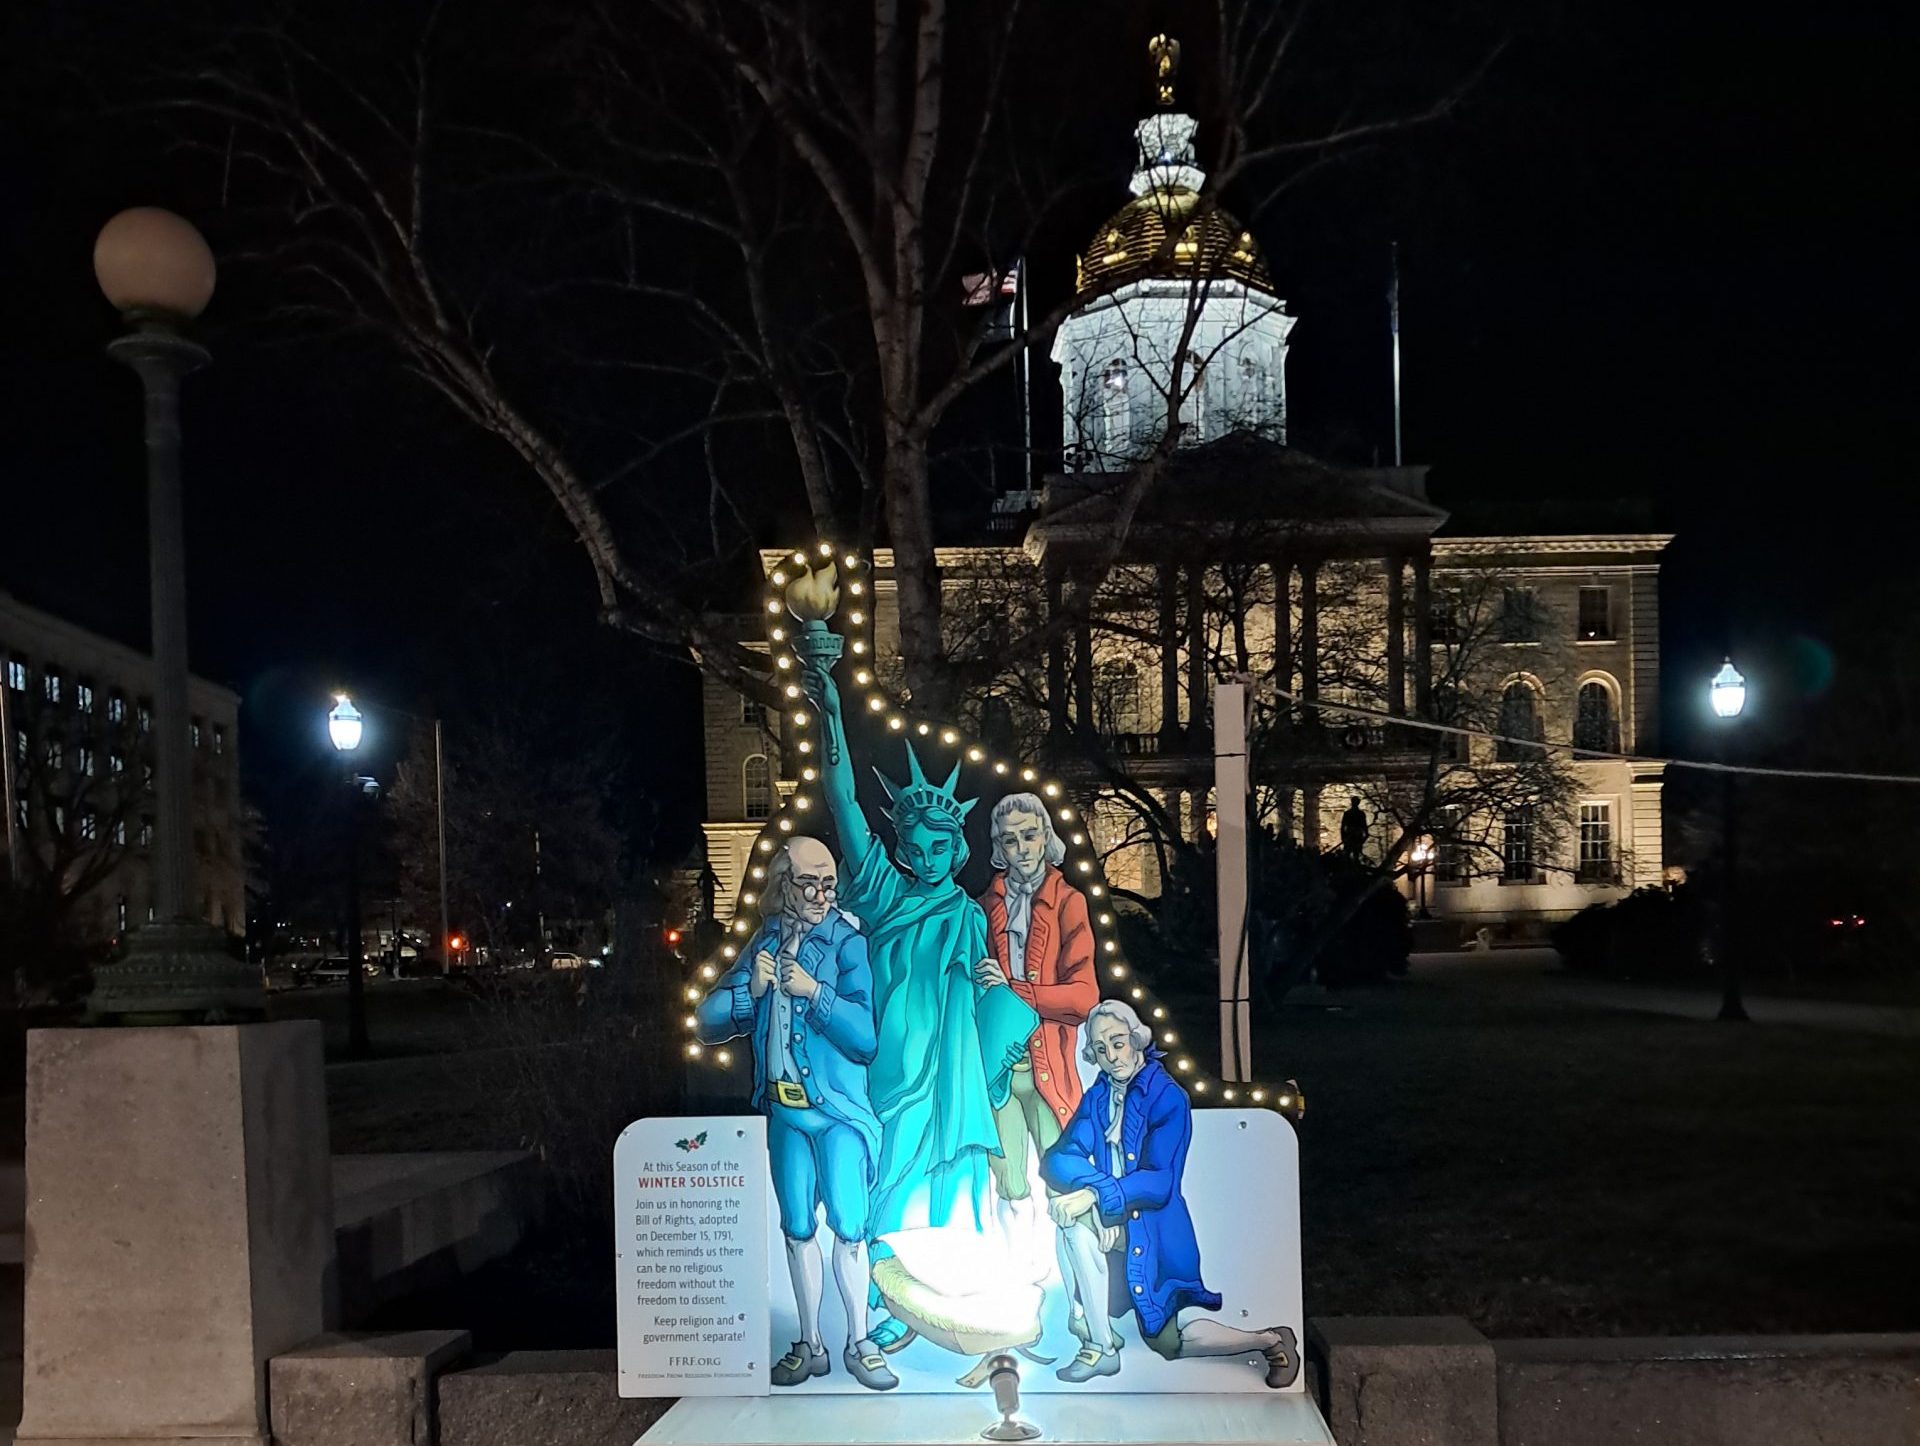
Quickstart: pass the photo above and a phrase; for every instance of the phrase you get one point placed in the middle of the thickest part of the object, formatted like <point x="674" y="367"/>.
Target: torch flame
<point x="814" y="597"/>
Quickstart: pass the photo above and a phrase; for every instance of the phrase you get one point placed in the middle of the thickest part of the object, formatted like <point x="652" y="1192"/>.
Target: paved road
<point x="1539" y="970"/>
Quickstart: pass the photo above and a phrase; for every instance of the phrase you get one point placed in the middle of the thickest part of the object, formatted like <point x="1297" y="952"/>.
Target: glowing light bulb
<point x="1159" y="1012"/>
<point x="691" y="1022"/>
<point x="877" y="704"/>
<point x="1052" y="790"/>
<point x="766" y="845"/>
<point x="801" y="558"/>
<point x="773" y="604"/>
<point x="800" y="720"/>
<point x="792" y="690"/>
<point x="923" y="729"/>
<point x="804" y="746"/>
<point x="949" y="737"/>
<point x="1079" y="840"/>
<point x="1118" y="971"/>
<point x="1199" y="1086"/>
<point x="1112" y="948"/>
<point x="896" y="722"/>
<point x="779" y="579"/>
<point x="1226" y="1094"/>
<point x="1138" y="992"/>
<point x="707" y="971"/>
<point x="809" y="774"/>
<point x="1096" y="889"/>
<point x="1000" y="767"/>
<point x="1086" y="866"/>
<point x="748" y="898"/>
<point x="851" y="561"/>
<point x="856" y="617"/>
<point x="693" y="995"/>
<point x="786" y="825"/>
<point x="693" y="1051"/>
<point x="1028" y="775"/>
<point x="1185" y="1065"/>
<point x="858" y="646"/>
<point x="974" y="755"/>
<point x="1106" y="918"/>
<point x="1259" y="1095"/>
<point x="855" y="588"/>
<point x="724" y="1056"/>
<point x="863" y="677"/>
<point x="802" y="801"/>
<point x="826" y="549"/>
<point x="729" y="951"/>
<point x="779" y="635"/>
<point x="758" y="872"/>
<point x="1066" y="815"/>
<point x="783" y="661"/>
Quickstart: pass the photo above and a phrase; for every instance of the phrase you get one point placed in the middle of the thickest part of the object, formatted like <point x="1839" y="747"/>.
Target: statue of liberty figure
<point x="946" y="1047"/>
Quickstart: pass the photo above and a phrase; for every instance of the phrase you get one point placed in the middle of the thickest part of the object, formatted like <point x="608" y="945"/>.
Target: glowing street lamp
<point x="345" y="724"/>
<point x="1421" y="859"/>
<point x="1728" y="691"/>
<point x="345" y="728"/>
<point x="1728" y="695"/>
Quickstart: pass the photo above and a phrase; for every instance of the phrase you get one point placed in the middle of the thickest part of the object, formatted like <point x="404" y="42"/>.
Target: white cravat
<point x="1019" y="922"/>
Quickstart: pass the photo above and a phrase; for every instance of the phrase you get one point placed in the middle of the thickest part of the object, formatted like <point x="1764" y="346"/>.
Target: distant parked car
<point x="566" y="961"/>
<point x="336" y="971"/>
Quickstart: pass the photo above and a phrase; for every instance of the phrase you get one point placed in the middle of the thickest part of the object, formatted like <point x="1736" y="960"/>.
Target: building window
<point x="116" y="762"/>
<point x="1596" y="843"/>
<point x="193" y="733"/>
<point x="753" y="714"/>
<point x="116" y="709"/>
<point x="120" y="914"/>
<point x="219" y="738"/>
<point x="58" y="815"/>
<point x="1449" y="849"/>
<point x="1519" y="615"/>
<point x="84" y="761"/>
<point x="1517" y="864"/>
<point x="1596" y="615"/>
<point x="146" y="776"/>
<point x="757" y="788"/>
<point x="22" y="746"/>
<point x="89" y="825"/>
<point x="56" y="755"/>
<point x="1596" y="722"/>
<point x="146" y="716"/>
<point x="1116" y="407"/>
<point x="120" y="839"/>
<point x="146" y="833"/>
<point x="1520" y="724"/>
<point x="17" y="674"/>
<point x="1193" y="401"/>
<point x="1119" y="698"/>
<point x="56" y="688"/>
<point x="83" y="697"/>
<point x="1443" y="617"/>
<point x="23" y="815"/>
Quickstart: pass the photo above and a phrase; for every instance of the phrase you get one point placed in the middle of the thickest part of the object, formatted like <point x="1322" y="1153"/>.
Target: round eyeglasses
<point x="813" y="893"/>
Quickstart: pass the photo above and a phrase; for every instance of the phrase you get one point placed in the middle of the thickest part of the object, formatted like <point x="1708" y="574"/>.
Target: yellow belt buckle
<point x="790" y="1094"/>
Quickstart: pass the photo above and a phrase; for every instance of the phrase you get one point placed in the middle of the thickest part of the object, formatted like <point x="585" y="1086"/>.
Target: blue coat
<point x="1162" y="1257"/>
<point x="836" y="1027"/>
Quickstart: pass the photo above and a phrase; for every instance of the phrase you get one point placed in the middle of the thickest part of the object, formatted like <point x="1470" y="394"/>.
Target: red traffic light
<point x="673" y="936"/>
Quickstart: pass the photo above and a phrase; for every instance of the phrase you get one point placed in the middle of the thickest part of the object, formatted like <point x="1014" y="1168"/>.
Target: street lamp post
<point x="345" y="727"/>
<point x="157" y="271"/>
<point x="1422" y="860"/>
<point x="1728" y="695"/>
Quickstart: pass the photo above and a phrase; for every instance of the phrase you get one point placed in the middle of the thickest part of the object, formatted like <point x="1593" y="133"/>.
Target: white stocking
<point x="806" y="1268"/>
<point x="850" y="1274"/>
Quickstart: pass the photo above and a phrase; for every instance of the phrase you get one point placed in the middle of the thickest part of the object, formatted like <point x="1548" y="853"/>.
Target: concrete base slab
<point x="1095" y="1420"/>
<point x="371" y="1390"/>
<point x="1407" y="1381"/>
<point x="179" y="1228"/>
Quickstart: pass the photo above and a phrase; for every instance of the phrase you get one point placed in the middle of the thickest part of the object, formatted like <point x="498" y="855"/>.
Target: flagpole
<point x="1393" y="315"/>
<point x="1026" y="371"/>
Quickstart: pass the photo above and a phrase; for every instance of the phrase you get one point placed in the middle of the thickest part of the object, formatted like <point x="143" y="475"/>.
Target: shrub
<point x="1652" y="934"/>
<point x="1309" y="915"/>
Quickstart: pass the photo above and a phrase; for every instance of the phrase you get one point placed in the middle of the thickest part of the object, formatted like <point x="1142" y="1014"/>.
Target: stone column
<point x="1396" y="635"/>
<point x="1310" y="817"/>
<point x="1310" y="639"/>
<point x="1196" y="651"/>
<point x="1283" y="627"/>
<point x="1056" y="661"/>
<point x="180" y="1214"/>
<point x="1083" y="675"/>
<point x="1169" y="656"/>
<point x="1423" y="632"/>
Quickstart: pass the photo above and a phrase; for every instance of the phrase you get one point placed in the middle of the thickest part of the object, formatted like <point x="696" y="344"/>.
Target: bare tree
<point x="717" y="221"/>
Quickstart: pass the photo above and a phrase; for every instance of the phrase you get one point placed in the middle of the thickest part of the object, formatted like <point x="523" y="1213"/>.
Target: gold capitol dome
<point x="1132" y="244"/>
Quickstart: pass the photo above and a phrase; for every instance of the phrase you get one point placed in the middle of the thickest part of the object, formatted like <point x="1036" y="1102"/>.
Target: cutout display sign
<point x="981" y="1127"/>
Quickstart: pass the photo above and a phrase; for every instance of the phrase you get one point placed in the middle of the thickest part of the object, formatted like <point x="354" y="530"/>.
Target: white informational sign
<point x="973" y="1292"/>
<point x="690" y="1255"/>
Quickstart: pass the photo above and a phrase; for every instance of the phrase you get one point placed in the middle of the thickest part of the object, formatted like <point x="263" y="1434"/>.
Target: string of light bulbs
<point x="1082" y="863"/>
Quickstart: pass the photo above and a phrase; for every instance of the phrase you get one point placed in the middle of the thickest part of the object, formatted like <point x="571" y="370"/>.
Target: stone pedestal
<point x="179" y="1229"/>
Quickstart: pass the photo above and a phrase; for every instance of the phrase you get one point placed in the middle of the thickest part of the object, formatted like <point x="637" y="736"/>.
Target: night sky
<point x="1663" y="253"/>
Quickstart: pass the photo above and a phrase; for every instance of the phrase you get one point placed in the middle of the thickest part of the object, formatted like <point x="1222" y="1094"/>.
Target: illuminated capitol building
<point x="1339" y="590"/>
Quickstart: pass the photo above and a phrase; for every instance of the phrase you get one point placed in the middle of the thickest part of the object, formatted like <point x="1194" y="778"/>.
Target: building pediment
<point x="1242" y="491"/>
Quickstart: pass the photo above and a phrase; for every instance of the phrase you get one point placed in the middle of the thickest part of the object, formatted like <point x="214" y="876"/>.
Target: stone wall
<point x="1381" y="1381"/>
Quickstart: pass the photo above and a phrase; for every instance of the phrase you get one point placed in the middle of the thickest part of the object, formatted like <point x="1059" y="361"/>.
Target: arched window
<point x="1596" y="722"/>
<point x="757" y="788"/>
<point x="1116" y="408"/>
<point x="1520" y="722"/>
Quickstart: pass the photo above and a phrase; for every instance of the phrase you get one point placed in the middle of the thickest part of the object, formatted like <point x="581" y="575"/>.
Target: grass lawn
<point x="1476" y="1146"/>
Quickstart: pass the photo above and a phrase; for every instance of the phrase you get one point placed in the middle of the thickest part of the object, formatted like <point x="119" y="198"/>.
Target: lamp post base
<point x="177" y="972"/>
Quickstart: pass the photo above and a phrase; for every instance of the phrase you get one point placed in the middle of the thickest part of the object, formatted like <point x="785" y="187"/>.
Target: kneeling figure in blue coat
<point x="1125" y="1232"/>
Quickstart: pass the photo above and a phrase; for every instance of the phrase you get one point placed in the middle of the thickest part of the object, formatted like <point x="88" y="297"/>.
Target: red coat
<point x="1061" y="984"/>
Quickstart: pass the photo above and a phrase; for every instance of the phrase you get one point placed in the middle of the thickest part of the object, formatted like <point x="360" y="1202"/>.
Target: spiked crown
<point x="919" y="795"/>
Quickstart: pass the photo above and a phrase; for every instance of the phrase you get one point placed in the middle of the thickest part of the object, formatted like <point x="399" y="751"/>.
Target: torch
<point x="812" y="600"/>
